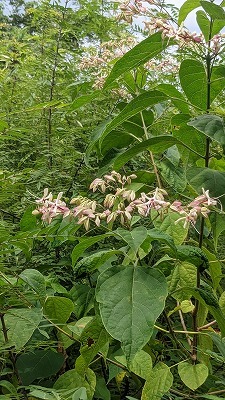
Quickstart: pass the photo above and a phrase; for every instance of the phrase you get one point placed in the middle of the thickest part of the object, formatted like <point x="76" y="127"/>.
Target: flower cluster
<point x="120" y="202"/>
<point x="49" y="207"/>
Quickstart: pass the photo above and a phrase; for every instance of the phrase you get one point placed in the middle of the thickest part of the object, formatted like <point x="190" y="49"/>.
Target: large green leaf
<point x="83" y="298"/>
<point x="186" y="8"/>
<point x="139" y="55"/>
<point x="83" y="100"/>
<point x="156" y="144"/>
<point x="38" y="364"/>
<point x="217" y="80"/>
<point x="213" y="10"/>
<point x="136" y="105"/>
<point x="174" y="175"/>
<point x="131" y="299"/>
<point x="194" y="82"/>
<point x="58" y="309"/>
<point x="158" y="383"/>
<point x="211" y="125"/>
<point x="209" y="179"/>
<point x="193" y="376"/>
<point x="21" y="324"/>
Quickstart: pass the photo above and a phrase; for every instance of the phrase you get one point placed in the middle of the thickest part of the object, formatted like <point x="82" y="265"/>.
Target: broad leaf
<point x="72" y="380"/>
<point x="21" y="324"/>
<point x="194" y="82"/>
<point x="84" y="244"/>
<point x="137" y="56"/>
<point x="184" y="274"/>
<point x="156" y="144"/>
<point x="83" y="298"/>
<point x="133" y="238"/>
<point x="209" y="179"/>
<point x="93" y="338"/>
<point x="176" y="97"/>
<point x="218" y="226"/>
<point x="35" y="280"/>
<point x="38" y="364"/>
<point x="131" y="299"/>
<point x="158" y="383"/>
<point x="213" y="10"/>
<point x="170" y="226"/>
<point x="58" y="309"/>
<point x="83" y="100"/>
<point x="186" y="8"/>
<point x="215" y="268"/>
<point x="193" y="376"/>
<point x="211" y="125"/>
<point x="136" y="105"/>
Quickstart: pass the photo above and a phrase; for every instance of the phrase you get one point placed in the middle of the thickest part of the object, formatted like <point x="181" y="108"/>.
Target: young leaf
<point x="184" y="274"/>
<point x="193" y="376"/>
<point x="131" y="299"/>
<point x="158" y="383"/>
<point x="194" y="82"/>
<point x="137" y="56"/>
<point x="176" y="97"/>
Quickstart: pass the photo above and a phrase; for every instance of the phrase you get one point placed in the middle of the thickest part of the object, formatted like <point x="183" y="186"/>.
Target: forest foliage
<point x="112" y="200"/>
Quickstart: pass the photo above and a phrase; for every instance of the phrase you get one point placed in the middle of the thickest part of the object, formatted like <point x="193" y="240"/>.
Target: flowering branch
<point x="121" y="202"/>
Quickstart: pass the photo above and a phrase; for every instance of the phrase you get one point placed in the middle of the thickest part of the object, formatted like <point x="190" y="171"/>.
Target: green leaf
<point x="213" y="10"/>
<point x="58" y="309"/>
<point x="28" y="221"/>
<point x="209" y="179"/>
<point x="218" y="226"/>
<point x="72" y="380"/>
<point x="193" y="376"/>
<point x="176" y="97"/>
<point x="215" y="268"/>
<point x="184" y="274"/>
<point x="194" y="82"/>
<point x="141" y="365"/>
<point x="170" y="226"/>
<point x="203" y="23"/>
<point x="158" y="383"/>
<point x="186" y="8"/>
<point x="90" y="263"/>
<point x="38" y="364"/>
<point x="217" y="81"/>
<point x="131" y="299"/>
<point x="80" y="394"/>
<point x="101" y="391"/>
<point x="156" y="234"/>
<point x="189" y="136"/>
<point x="174" y="175"/>
<point x="156" y="144"/>
<point x="137" y="56"/>
<point x="21" y="324"/>
<point x="83" y="100"/>
<point x="83" y="298"/>
<point x="35" y="280"/>
<point x="133" y="238"/>
<point x="219" y="342"/>
<point x="136" y="105"/>
<point x="84" y="244"/>
<point x="93" y="338"/>
<point x="211" y="125"/>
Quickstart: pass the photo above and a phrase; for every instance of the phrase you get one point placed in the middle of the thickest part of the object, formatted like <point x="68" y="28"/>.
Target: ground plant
<point x="113" y="201"/>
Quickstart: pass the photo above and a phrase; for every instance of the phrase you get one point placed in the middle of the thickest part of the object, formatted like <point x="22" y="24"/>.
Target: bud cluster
<point x="120" y="202"/>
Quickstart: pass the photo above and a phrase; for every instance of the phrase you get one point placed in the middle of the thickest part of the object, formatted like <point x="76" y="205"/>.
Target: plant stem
<point x="151" y="154"/>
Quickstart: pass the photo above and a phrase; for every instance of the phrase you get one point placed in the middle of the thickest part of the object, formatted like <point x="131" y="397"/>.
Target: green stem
<point x="207" y="158"/>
